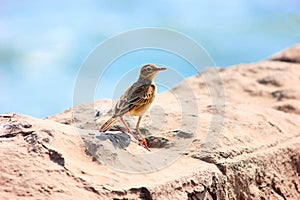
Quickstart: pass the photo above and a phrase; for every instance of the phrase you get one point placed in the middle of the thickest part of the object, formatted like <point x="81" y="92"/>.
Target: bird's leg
<point x="128" y="129"/>
<point x="144" y="142"/>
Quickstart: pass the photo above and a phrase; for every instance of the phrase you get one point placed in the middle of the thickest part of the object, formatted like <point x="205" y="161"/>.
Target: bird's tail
<point x="108" y="124"/>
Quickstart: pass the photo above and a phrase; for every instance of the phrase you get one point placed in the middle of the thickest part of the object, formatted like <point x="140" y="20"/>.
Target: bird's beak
<point x="161" y="69"/>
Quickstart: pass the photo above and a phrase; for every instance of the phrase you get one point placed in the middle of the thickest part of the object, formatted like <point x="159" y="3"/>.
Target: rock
<point x="285" y="94"/>
<point x="156" y="142"/>
<point x="239" y="142"/>
<point x="288" y="55"/>
<point x="120" y="140"/>
<point x="269" y="80"/>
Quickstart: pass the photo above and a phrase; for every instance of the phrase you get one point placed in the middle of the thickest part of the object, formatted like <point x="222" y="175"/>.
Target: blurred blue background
<point x="43" y="43"/>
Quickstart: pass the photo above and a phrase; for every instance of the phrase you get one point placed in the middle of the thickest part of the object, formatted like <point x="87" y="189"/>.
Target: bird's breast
<point x="149" y="97"/>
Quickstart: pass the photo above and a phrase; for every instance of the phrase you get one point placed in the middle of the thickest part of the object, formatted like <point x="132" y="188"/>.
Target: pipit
<point x="136" y="101"/>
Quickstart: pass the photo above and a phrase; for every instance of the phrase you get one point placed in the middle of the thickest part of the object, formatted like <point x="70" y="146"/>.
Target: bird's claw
<point x="144" y="144"/>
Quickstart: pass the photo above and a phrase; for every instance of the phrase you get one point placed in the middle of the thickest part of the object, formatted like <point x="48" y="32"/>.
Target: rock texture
<point x="235" y="136"/>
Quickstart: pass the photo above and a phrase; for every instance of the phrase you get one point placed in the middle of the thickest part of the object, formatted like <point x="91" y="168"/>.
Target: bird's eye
<point x="148" y="69"/>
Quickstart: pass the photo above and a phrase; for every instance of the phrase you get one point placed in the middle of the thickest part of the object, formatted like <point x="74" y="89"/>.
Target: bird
<point x="136" y="100"/>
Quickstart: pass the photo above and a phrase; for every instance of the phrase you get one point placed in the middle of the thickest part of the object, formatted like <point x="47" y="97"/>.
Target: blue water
<point x="44" y="43"/>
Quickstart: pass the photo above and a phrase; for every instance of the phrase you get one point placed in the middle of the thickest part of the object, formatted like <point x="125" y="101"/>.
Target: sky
<point x="44" y="44"/>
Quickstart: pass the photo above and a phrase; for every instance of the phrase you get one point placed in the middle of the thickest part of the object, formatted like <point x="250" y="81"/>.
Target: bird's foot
<point x="144" y="144"/>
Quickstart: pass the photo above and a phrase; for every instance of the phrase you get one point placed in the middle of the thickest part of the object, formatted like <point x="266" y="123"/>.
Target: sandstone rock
<point x="291" y="54"/>
<point x="241" y="141"/>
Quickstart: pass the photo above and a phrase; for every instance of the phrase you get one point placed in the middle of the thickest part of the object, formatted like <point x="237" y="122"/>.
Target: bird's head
<point x="149" y="71"/>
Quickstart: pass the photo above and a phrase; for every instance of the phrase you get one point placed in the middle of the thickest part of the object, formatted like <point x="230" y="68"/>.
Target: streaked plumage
<point x="136" y="100"/>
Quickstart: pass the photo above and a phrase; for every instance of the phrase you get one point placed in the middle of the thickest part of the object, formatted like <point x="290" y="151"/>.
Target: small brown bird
<point x="136" y="100"/>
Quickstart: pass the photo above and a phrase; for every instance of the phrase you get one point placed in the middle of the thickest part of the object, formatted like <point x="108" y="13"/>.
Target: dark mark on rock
<point x="119" y="140"/>
<point x="56" y="157"/>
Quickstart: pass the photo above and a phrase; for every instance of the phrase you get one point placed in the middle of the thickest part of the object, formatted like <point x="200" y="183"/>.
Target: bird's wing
<point x="135" y="96"/>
